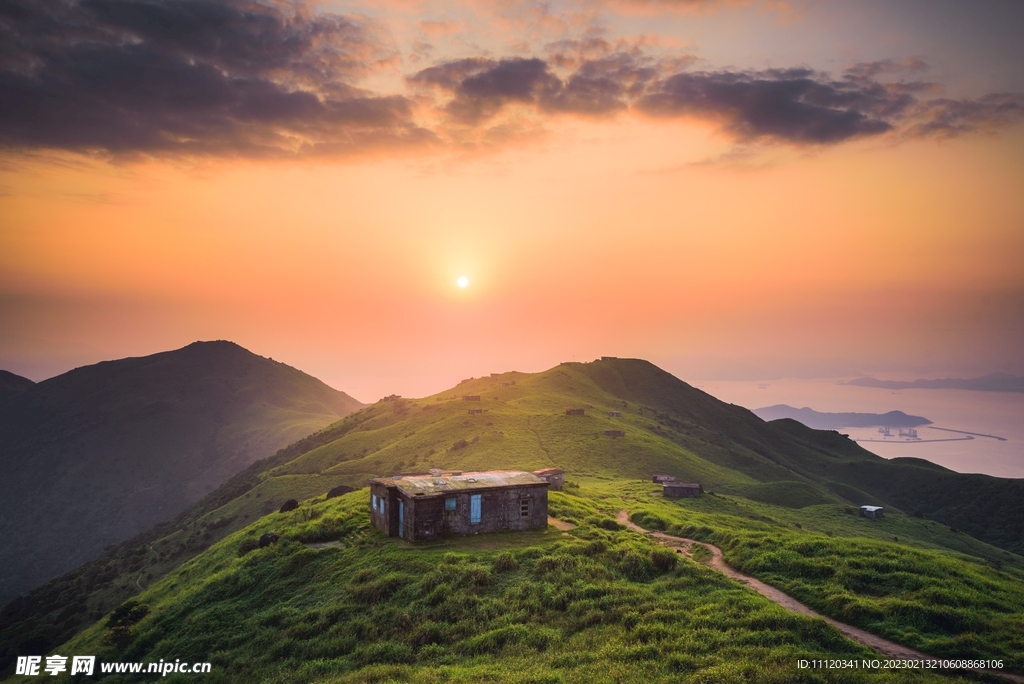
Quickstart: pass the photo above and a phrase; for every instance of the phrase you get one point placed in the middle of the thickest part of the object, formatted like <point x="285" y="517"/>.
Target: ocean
<point x="999" y="414"/>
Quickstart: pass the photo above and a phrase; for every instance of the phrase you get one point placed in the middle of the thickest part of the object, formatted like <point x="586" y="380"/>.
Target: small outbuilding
<point x="574" y="412"/>
<point x="555" y="477"/>
<point x="615" y="414"/>
<point x="424" y="507"/>
<point x="471" y="397"/>
<point x="681" y="490"/>
<point x="475" y="412"/>
<point x="658" y="478"/>
<point x="871" y="511"/>
<point x="615" y="433"/>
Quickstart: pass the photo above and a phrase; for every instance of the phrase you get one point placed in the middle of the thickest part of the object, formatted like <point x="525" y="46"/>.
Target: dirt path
<point x="885" y="647"/>
<point x="560" y="524"/>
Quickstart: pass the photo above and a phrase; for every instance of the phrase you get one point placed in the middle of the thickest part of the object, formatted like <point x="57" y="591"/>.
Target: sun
<point x="462" y="281"/>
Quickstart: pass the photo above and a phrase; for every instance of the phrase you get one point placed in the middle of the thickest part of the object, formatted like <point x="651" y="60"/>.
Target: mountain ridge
<point x="993" y="382"/>
<point x="819" y="420"/>
<point x="668" y="426"/>
<point x="100" y="453"/>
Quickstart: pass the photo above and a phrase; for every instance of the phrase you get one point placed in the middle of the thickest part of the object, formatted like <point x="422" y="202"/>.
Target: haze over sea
<point x="991" y="413"/>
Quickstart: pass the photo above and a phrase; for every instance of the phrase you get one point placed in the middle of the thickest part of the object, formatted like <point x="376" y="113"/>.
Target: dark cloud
<point x="481" y="88"/>
<point x="795" y="106"/>
<point x="272" y="77"/>
<point x="191" y="76"/>
<point x="946" y="117"/>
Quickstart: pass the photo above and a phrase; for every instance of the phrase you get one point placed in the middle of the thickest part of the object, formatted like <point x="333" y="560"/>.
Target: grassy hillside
<point x="594" y="604"/>
<point x="802" y="476"/>
<point x="102" y="453"/>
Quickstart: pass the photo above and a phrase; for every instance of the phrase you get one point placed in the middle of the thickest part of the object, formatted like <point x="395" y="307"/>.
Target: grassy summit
<point x="597" y="603"/>
<point x="776" y="483"/>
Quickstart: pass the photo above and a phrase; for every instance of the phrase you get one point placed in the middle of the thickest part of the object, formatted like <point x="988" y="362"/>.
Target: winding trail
<point x="889" y="649"/>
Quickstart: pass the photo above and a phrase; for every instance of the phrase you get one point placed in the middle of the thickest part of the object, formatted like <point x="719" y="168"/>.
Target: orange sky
<point x="671" y="239"/>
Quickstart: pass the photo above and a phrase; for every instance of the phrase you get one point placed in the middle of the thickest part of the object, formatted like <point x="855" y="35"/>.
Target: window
<point x="373" y="505"/>
<point x="449" y="503"/>
<point x="382" y="506"/>
<point x="474" y="509"/>
<point x="524" y="508"/>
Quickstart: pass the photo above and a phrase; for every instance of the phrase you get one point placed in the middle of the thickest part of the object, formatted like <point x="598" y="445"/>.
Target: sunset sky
<point x="732" y="190"/>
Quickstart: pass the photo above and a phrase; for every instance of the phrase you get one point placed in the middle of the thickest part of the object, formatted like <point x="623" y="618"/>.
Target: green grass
<point x="887" y="576"/>
<point x="774" y="480"/>
<point x="593" y="604"/>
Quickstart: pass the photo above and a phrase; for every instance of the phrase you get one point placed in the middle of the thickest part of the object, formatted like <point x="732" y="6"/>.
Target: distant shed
<point x="615" y="414"/>
<point x="424" y="507"/>
<point x="574" y="412"/>
<point x="681" y="490"/>
<point x="615" y="433"/>
<point x="471" y="397"/>
<point x="555" y="477"/>
<point x="658" y="478"/>
<point x="871" y="511"/>
<point x="474" y="412"/>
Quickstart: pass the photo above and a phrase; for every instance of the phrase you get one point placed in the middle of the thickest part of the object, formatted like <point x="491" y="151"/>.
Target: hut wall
<point x="501" y="509"/>
<point x="388" y="521"/>
<point x="681" y="491"/>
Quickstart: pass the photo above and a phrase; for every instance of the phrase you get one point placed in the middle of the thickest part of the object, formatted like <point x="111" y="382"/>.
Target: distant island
<point x="994" y="382"/>
<point x="833" y="421"/>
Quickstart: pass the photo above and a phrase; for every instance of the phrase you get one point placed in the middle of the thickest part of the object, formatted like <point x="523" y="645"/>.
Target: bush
<point x="386" y="652"/>
<point x="505" y="562"/>
<point x="604" y="523"/>
<point x="247" y="545"/>
<point x="127" y="614"/>
<point x="664" y="559"/>
<point x="120" y="637"/>
<point x="637" y="567"/>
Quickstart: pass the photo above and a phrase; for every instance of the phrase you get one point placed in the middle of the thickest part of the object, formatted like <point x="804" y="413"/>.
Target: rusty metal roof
<point x="446" y="482"/>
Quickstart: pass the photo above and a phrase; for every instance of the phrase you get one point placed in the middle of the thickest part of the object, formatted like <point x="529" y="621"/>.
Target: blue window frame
<point x="373" y="505"/>
<point x="449" y="503"/>
<point x="401" y="518"/>
<point x="474" y="509"/>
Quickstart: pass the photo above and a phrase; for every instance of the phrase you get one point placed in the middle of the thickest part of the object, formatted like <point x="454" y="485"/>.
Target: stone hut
<point x="424" y="507"/>
<point x="471" y="397"/>
<point x="615" y="433"/>
<point x="574" y="412"/>
<point x="681" y="490"/>
<point x="475" y="412"/>
<point x="658" y="478"/>
<point x="871" y="511"/>
<point x="615" y="414"/>
<point x="555" y="477"/>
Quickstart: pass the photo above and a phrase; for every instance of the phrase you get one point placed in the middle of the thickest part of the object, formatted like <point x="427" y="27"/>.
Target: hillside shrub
<point x="505" y="562"/>
<point x="664" y="559"/>
<point x="127" y="614"/>
<point x="247" y="545"/>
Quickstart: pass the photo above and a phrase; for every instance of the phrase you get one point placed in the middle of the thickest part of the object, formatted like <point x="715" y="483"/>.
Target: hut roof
<point x="870" y="508"/>
<point x="548" y="471"/>
<point x="446" y="482"/>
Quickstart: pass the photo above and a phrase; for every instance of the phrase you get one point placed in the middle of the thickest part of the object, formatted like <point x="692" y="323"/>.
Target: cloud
<point x="276" y="78"/>
<point x="481" y="88"/>
<point x="798" y="106"/>
<point x="192" y="76"/>
<point x="792" y="105"/>
<point x="944" y="117"/>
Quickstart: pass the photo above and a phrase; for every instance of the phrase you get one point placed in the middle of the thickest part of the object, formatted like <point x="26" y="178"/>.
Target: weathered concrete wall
<point x="500" y="509"/>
